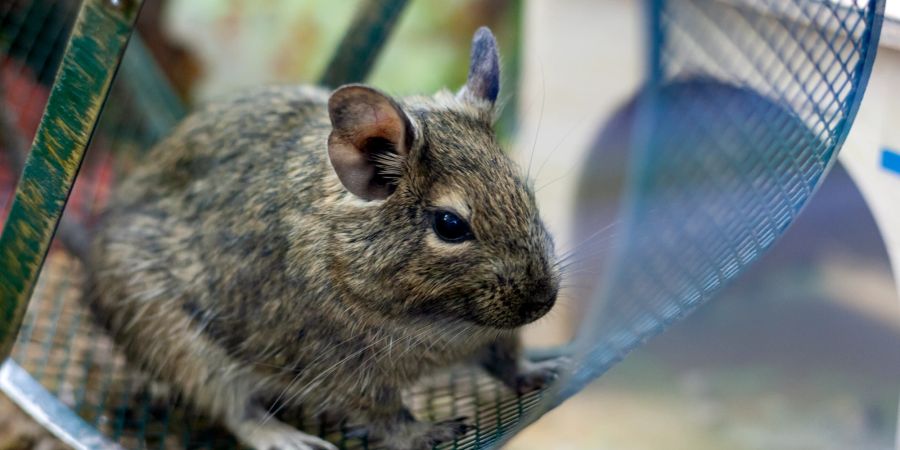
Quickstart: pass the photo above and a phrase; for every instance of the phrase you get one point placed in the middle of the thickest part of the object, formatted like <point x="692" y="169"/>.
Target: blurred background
<point x="803" y="352"/>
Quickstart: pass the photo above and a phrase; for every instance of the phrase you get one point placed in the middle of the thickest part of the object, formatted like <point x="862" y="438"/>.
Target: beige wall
<point x="581" y="58"/>
<point x="876" y="128"/>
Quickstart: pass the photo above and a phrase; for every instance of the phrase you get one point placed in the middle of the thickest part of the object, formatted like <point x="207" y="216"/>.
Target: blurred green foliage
<point x="249" y="42"/>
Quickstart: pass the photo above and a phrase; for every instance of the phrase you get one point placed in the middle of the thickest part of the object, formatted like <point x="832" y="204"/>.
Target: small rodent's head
<point x="447" y="227"/>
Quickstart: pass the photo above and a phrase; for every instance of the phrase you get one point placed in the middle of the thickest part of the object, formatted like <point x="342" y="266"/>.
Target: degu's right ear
<point x="483" y="83"/>
<point x="370" y="139"/>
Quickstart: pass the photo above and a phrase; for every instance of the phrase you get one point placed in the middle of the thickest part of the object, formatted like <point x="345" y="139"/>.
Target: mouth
<point x="497" y="311"/>
<point x="520" y="313"/>
<point x="534" y="310"/>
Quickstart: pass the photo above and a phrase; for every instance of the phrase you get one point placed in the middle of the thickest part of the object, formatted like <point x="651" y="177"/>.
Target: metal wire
<point x="747" y="103"/>
<point x="746" y="106"/>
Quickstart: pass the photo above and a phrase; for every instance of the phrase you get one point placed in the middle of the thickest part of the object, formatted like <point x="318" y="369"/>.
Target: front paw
<point x="535" y="376"/>
<point x="423" y="435"/>
<point x="446" y="430"/>
<point x="274" y="435"/>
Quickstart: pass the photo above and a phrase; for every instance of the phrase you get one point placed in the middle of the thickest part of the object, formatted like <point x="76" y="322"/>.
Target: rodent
<point x="290" y="246"/>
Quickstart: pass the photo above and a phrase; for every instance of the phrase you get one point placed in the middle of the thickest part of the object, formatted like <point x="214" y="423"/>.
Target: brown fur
<point x="236" y="266"/>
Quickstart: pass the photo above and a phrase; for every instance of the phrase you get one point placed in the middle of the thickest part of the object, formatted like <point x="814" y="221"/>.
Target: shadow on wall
<point x="712" y="163"/>
<point x="817" y="317"/>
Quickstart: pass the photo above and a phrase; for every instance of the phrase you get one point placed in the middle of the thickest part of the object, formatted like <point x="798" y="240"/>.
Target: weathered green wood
<point x="89" y="63"/>
<point x="363" y="40"/>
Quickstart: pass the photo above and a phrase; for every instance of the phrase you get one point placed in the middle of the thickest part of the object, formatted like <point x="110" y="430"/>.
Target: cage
<point x="744" y="107"/>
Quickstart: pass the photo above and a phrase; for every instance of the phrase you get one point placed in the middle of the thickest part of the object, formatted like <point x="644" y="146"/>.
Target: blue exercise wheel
<point x="744" y="108"/>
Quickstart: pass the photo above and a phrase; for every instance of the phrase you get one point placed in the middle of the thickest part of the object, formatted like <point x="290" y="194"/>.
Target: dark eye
<point x="450" y="227"/>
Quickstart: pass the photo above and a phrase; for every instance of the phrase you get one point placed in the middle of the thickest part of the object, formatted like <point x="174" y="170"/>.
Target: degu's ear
<point x="483" y="83"/>
<point x="370" y="139"/>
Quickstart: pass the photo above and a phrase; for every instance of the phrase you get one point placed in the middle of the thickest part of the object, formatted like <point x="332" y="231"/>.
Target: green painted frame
<point x="355" y="56"/>
<point x="89" y="64"/>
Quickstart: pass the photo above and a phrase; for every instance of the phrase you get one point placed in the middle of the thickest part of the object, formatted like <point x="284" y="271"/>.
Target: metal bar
<point x="48" y="411"/>
<point x="150" y="89"/>
<point x="363" y="40"/>
<point x="10" y="139"/>
<point x="91" y="58"/>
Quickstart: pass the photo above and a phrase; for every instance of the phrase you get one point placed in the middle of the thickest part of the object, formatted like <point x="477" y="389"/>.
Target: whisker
<point x="594" y="254"/>
<point x="594" y="235"/>
<point x="587" y="252"/>
<point x="540" y="120"/>
<point x="319" y="378"/>
<point x="553" y="151"/>
<point x="564" y="175"/>
<point x="296" y="378"/>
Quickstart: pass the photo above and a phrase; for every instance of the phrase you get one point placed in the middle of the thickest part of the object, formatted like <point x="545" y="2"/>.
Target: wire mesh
<point x="746" y="105"/>
<point x="61" y="347"/>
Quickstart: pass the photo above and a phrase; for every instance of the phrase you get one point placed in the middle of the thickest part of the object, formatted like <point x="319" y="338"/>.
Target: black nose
<point x="539" y="299"/>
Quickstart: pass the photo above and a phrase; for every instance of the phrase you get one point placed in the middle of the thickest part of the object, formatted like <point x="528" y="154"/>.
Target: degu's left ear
<point x="483" y="83"/>
<point x="370" y="139"/>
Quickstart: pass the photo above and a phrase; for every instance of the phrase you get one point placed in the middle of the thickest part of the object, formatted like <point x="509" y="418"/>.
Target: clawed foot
<point x="446" y="430"/>
<point x="423" y="435"/>
<point x="535" y="376"/>
<point x="275" y="435"/>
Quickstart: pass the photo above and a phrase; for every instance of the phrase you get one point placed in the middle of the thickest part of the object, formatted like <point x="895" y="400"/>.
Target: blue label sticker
<point x="890" y="160"/>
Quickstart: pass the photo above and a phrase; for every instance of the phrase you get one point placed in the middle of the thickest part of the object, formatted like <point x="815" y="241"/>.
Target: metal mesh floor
<point x="61" y="347"/>
<point x="746" y="105"/>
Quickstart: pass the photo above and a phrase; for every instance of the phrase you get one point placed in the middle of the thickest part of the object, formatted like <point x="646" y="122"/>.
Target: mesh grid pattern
<point x="746" y="105"/>
<point x="60" y="346"/>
